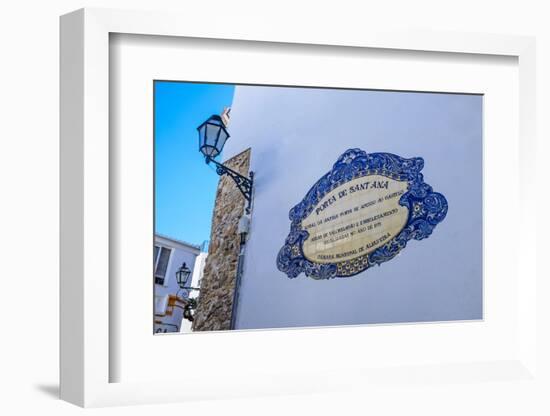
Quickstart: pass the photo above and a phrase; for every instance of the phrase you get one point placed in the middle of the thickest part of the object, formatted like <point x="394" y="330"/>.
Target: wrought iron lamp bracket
<point x="243" y="183"/>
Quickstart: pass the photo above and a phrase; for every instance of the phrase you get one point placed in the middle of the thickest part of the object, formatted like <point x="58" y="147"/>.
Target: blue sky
<point x="185" y="186"/>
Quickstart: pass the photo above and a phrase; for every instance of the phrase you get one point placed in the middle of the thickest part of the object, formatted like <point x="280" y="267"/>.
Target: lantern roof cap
<point x="213" y="117"/>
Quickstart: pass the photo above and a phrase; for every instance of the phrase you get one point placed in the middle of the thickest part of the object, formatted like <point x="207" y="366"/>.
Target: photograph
<point x="282" y="206"/>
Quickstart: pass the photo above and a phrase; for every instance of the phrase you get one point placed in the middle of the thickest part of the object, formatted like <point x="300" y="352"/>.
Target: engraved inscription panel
<point x="354" y="219"/>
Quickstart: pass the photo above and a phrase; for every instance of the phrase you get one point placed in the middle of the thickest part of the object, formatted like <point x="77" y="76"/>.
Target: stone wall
<point x="215" y="300"/>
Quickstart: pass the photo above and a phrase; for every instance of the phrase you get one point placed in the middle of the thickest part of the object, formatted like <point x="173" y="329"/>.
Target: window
<point x="162" y="256"/>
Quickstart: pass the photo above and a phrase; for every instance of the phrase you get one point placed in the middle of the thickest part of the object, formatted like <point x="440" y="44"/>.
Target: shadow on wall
<point x="51" y="390"/>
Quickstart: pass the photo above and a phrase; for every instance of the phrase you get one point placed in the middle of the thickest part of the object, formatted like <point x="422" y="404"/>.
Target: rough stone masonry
<point x="215" y="300"/>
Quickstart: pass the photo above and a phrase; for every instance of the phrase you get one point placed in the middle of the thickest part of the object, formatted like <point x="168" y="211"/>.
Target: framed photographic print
<point x="269" y="199"/>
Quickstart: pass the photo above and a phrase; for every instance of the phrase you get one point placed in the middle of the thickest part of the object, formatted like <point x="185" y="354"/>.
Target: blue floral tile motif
<point x="425" y="210"/>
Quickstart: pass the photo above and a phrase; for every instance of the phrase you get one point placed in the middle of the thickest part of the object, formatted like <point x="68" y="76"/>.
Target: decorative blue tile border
<point x="425" y="210"/>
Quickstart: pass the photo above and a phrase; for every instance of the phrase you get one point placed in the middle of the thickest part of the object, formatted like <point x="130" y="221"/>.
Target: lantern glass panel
<point x="221" y="139"/>
<point x="212" y="134"/>
<point x="209" y="151"/>
<point x="202" y="135"/>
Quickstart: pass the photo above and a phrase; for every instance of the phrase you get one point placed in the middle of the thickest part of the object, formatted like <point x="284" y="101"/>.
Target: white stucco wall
<point x="296" y="135"/>
<point x="198" y="271"/>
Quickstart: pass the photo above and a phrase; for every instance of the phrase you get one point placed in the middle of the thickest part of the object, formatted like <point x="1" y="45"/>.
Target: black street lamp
<point x="212" y="138"/>
<point x="182" y="275"/>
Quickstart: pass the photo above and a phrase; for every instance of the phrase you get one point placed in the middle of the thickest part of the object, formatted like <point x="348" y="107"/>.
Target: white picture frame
<point x="86" y="263"/>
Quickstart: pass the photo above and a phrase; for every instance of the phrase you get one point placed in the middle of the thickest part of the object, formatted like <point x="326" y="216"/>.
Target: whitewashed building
<point x="170" y="301"/>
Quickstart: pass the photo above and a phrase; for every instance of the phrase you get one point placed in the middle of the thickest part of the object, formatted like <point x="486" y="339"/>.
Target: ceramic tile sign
<point x="361" y="213"/>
